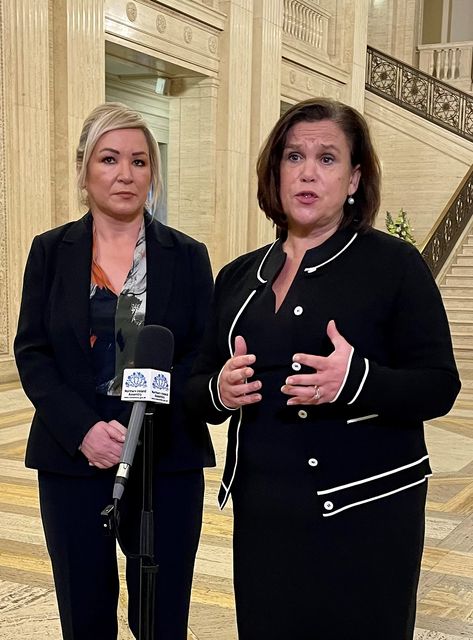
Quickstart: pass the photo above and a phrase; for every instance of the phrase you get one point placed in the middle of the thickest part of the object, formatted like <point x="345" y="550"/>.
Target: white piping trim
<point x="227" y="489"/>
<point x="373" y="415"/>
<point x="220" y="397"/>
<point x="346" y="375"/>
<point x="212" y="395"/>
<point x="322" y="264"/>
<point x="367" y="368"/>
<point x="379" y="475"/>
<point x="383" y="495"/>
<point x="240" y="311"/>
<point x="262" y="263"/>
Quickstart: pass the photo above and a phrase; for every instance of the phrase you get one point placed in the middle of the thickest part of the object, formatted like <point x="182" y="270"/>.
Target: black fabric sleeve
<point x="203" y="398"/>
<point x="61" y="409"/>
<point x="201" y="276"/>
<point x="423" y="381"/>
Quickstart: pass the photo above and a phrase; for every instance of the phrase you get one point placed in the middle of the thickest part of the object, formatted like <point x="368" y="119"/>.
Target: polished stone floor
<point x="445" y="609"/>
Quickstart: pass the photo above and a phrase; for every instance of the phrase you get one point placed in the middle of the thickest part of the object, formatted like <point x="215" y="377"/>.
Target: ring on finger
<point x="317" y="392"/>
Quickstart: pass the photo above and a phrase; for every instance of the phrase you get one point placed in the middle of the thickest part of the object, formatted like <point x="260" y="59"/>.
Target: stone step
<point x="456" y="291"/>
<point x="463" y="353"/>
<point x="459" y="280"/>
<point x="464" y="327"/>
<point x="461" y="270"/>
<point x="463" y="342"/>
<point x="467" y="250"/>
<point x="457" y="303"/>
<point x="459" y="315"/>
<point x="464" y="261"/>
<point x="465" y="368"/>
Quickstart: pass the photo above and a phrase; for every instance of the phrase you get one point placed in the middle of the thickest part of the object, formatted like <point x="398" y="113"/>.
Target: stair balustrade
<point x="420" y="93"/>
<point x="450" y="225"/>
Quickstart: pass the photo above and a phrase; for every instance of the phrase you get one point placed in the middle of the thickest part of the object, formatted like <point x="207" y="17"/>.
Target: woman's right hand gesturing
<point x="234" y="389"/>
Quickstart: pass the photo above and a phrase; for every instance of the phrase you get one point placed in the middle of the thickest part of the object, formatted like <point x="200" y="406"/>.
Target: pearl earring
<point x="351" y="200"/>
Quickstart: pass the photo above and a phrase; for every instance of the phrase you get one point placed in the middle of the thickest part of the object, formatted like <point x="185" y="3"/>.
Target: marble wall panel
<point x="422" y="164"/>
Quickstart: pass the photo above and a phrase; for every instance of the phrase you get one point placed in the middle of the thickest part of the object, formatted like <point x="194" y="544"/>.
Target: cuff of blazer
<point x="214" y="388"/>
<point x="355" y="378"/>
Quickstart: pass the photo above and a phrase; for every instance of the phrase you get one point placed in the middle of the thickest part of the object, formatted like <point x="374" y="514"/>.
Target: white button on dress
<point x="302" y="413"/>
<point x="328" y="505"/>
<point x="296" y="366"/>
<point x="313" y="462"/>
<point x="298" y="311"/>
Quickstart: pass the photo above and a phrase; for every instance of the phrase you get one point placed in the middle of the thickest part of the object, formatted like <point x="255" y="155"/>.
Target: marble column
<point x="26" y="202"/>
<point x="265" y="103"/>
<point x="78" y="67"/>
<point x="191" y="158"/>
<point x="233" y="132"/>
<point x="357" y="23"/>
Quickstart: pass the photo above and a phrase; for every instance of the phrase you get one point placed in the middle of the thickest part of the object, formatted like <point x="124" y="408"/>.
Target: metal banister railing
<point x="450" y="225"/>
<point x="420" y="93"/>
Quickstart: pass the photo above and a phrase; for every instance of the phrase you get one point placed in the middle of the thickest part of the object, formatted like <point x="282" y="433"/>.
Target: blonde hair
<point x="111" y="116"/>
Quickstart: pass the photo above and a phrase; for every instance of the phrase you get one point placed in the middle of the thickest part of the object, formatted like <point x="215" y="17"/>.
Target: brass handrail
<point x="450" y="225"/>
<point x="420" y="93"/>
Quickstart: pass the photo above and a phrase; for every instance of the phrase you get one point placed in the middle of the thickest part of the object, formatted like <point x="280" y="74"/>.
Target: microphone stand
<point x="148" y="567"/>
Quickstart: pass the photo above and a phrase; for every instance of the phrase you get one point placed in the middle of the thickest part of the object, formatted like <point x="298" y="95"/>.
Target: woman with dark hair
<point x="89" y="287"/>
<point x="327" y="349"/>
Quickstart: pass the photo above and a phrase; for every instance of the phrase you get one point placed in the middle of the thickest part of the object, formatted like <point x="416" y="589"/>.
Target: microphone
<point x="148" y="381"/>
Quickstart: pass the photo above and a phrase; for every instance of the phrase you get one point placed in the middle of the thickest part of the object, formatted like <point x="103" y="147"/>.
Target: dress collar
<point x="314" y="258"/>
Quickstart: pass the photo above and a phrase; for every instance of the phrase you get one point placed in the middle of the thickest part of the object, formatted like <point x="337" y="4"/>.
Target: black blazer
<point x="52" y="347"/>
<point x="370" y="441"/>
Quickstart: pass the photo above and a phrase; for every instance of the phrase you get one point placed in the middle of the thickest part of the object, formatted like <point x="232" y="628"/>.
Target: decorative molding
<point x="299" y="83"/>
<point x="166" y="33"/>
<point x="213" y="44"/>
<point x="187" y="34"/>
<point x="205" y="12"/>
<point x="161" y="23"/>
<point x="131" y="11"/>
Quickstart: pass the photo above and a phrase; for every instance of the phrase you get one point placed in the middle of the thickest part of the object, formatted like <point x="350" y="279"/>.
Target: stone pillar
<point x="233" y="132"/>
<point x="265" y="96"/>
<point x="357" y="18"/>
<point x="78" y="67"/>
<point x="191" y="158"/>
<point x="25" y="205"/>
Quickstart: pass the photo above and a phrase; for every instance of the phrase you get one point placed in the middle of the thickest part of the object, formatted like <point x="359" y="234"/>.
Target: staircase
<point x="456" y="288"/>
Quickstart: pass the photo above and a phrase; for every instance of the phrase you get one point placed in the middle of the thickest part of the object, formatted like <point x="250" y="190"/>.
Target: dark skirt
<point x="352" y="576"/>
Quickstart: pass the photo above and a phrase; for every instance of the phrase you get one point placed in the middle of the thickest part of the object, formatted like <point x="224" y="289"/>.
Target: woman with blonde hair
<point x="89" y="287"/>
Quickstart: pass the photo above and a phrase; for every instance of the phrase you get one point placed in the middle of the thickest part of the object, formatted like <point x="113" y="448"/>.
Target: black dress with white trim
<point x="329" y="499"/>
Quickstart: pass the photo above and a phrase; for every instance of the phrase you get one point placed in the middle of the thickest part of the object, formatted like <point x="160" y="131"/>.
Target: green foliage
<point x="400" y="226"/>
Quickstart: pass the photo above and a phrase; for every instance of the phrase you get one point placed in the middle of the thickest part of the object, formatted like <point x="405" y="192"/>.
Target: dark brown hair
<point x="362" y="213"/>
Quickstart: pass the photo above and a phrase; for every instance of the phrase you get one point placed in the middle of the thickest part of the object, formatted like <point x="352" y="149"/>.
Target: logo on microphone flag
<point x="148" y="385"/>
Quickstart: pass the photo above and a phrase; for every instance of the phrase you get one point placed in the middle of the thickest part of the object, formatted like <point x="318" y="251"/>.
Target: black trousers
<point x="84" y="560"/>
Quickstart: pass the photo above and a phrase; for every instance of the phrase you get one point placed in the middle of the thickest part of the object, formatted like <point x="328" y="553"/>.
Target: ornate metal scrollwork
<point x="450" y="225"/>
<point x="420" y="93"/>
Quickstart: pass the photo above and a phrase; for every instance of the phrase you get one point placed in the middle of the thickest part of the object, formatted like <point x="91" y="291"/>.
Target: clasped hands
<point x="103" y="443"/>
<point x="307" y="388"/>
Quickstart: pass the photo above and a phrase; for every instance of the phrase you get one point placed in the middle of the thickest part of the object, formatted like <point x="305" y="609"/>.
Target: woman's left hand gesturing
<point x="329" y="372"/>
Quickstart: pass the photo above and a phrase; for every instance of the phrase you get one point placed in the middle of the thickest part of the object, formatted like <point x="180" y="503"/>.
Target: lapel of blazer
<point x="161" y="259"/>
<point x="74" y="263"/>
